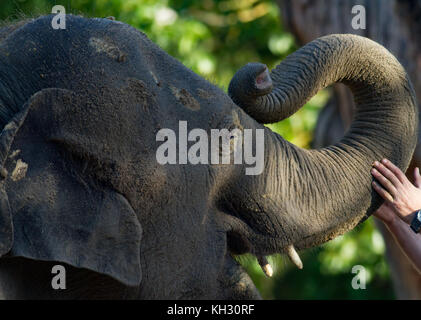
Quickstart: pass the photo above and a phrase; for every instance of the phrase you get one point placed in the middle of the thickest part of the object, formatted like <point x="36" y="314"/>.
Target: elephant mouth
<point x="242" y="239"/>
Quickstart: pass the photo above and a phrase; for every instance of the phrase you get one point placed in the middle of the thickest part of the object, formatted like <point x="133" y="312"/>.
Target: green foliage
<point x="215" y="38"/>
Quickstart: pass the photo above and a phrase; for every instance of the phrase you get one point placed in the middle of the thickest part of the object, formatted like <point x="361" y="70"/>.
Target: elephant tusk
<point x="266" y="267"/>
<point x="293" y="255"/>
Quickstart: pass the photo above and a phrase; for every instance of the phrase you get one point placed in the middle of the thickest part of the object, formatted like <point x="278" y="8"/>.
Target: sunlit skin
<point x="402" y="199"/>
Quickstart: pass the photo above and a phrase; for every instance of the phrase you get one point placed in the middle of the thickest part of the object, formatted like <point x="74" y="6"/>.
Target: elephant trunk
<point x="306" y="197"/>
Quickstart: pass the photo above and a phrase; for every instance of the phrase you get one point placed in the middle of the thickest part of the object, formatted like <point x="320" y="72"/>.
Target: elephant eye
<point x="231" y="141"/>
<point x="235" y="140"/>
<point x="231" y="134"/>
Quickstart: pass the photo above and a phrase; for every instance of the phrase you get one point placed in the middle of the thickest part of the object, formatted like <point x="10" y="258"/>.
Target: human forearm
<point x="409" y="241"/>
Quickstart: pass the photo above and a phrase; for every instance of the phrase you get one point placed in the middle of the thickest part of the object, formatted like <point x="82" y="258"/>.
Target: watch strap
<point x="416" y="222"/>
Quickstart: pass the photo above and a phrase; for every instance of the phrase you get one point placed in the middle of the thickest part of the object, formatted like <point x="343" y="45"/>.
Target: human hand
<point x="401" y="196"/>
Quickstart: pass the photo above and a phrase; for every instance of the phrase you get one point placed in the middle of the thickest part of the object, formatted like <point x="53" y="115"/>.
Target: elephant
<point x="81" y="186"/>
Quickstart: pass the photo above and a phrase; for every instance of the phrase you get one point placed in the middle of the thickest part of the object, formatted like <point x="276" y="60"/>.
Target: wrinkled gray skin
<point x="83" y="106"/>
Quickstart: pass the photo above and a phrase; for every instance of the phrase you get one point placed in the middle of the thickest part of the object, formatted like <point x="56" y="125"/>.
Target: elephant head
<point x="82" y="110"/>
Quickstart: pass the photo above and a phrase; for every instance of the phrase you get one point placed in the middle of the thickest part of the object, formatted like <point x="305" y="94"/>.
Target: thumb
<point x="417" y="177"/>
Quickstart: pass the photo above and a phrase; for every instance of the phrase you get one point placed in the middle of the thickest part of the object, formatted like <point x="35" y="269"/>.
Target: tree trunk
<point x="396" y="24"/>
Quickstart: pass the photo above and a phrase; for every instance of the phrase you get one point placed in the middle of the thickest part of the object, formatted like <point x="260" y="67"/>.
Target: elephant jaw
<point x="242" y="239"/>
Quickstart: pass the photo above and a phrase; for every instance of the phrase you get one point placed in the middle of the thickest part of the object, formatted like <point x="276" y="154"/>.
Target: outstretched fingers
<point x="417" y="177"/>
<point x="387" y="180"/>
<point x="387" y="173"/>
<point x="396" y="171"/>
<point x="382" y="192"/>
<point x="395" y="188"/>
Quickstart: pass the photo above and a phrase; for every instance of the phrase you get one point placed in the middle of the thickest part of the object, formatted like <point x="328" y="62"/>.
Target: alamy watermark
<point x="359" y="280"/>
<point x="358" y="21"/>
<point x="226" y="146"/>
<point x="58" y="282"/>
<point x="59" y="20"/>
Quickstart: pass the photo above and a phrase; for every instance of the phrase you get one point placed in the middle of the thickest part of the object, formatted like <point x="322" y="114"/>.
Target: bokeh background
<point x="215" y="38"/>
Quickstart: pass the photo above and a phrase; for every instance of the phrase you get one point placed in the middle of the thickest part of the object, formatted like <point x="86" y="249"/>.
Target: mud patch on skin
<point x="14" y="154"/>
<point x="20" y="170"/>
<point x="107" y="47"/>
<point x="141" y="92"/>
<point x="204" y="94"/>
<point x="185" y="98"/>
<point x="10" y="126"/>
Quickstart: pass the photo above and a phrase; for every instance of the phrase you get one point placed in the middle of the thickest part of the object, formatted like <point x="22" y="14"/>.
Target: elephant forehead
<point x="91" y="54"/>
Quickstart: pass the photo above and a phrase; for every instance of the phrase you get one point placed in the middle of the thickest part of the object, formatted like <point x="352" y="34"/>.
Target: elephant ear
<point x="60" y="213"/>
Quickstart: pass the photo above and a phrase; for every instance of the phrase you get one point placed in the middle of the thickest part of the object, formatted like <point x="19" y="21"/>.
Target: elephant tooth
<point x="266" y="267"/>
<point x="293" y="255"/>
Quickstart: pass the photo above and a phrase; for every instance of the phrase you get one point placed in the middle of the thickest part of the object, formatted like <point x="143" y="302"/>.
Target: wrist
<point x="395" y="224"/>
<point x="392" y="222"/>
<point x="408" y="218"/>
